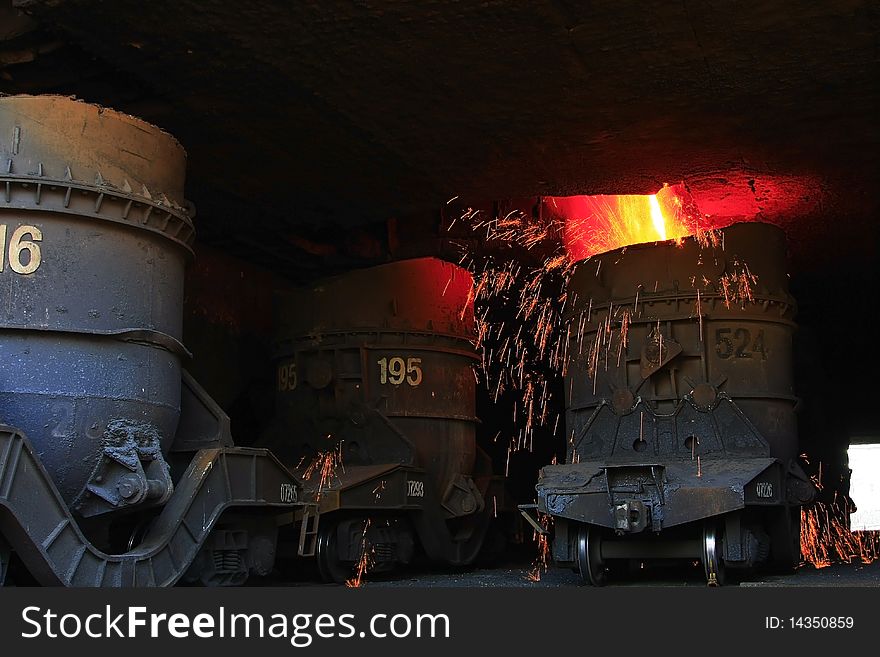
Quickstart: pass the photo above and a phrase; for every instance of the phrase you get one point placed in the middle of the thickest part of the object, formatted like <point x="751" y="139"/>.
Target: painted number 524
<point x="395" y="371"/>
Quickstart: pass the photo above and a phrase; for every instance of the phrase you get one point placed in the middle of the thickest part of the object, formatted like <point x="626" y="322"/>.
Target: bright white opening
<point x="864" y="486"/>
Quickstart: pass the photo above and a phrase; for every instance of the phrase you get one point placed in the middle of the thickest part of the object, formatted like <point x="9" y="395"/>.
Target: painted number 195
<point x="395" y="371"/>
<point x="287" y="377"/>
<point x="18" y="246"/>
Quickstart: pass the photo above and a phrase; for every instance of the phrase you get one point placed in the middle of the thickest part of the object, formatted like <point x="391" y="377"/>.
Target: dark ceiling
<point x="302" y="117"/>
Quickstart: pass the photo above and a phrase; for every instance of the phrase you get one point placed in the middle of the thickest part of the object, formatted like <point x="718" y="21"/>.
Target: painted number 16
<point x="17" y="245"/>
<point x="395" y="371"/>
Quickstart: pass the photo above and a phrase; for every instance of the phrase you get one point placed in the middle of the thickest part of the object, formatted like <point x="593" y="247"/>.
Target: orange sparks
<point x="517" y="355"/>
<point x="826" y="539"/>
<point x="614" y="327"/>
<point x="325" y="465"/>
<point x="363" y="563"/>
<point x="736" y="286"/>
<point x="700" y="314"/>
<point x="623" y="335"/>
<point x="542" y="561"/>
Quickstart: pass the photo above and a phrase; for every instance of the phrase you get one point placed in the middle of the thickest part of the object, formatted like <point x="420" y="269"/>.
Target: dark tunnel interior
<point x="328" y="137"/>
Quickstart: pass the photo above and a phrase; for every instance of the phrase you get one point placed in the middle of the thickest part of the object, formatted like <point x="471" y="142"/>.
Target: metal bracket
<point x="40" y="528"/>
<point x="530" y="513"/>
<point x="132" y="470"/>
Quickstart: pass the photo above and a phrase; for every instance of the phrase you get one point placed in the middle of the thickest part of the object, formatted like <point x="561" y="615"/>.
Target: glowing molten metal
<point x="657" y="216"/>
<point x="596" y="224"/>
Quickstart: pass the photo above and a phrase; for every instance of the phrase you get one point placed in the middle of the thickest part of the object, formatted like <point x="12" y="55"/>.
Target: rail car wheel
<point x="785" y="538"/>
<point x="139" y="533"/>
<point x="589" y="556"/>
<point x="713" y="555"/>
<point x="330" y="567"/>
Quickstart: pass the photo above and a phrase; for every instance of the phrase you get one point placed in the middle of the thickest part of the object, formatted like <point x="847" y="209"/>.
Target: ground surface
<point x="515" y="574"/>
<point x="838" y="575"/>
